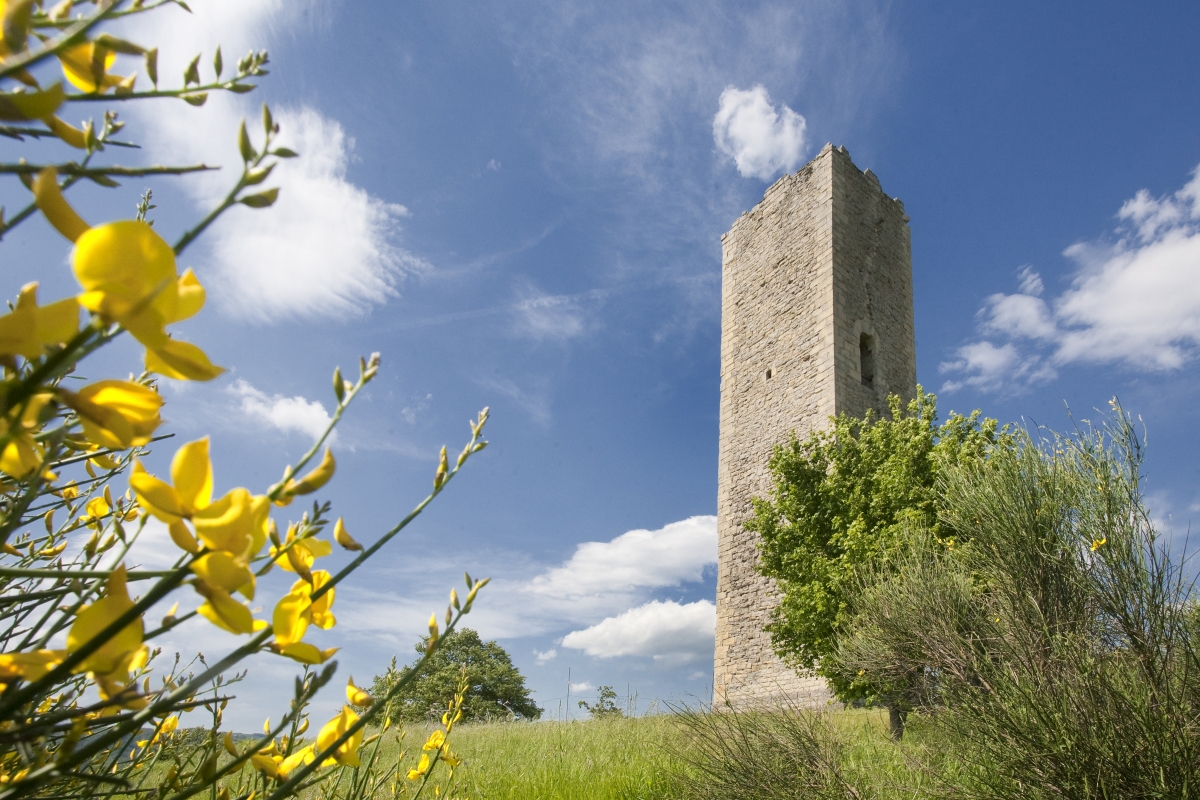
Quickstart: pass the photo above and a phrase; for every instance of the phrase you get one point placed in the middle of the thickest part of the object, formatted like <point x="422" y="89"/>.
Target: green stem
<point x="71" y="168"/>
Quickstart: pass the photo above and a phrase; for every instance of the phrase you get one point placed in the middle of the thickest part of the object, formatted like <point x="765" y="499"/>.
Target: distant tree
<point x="844" y="501"/>
<point x="605" y="706"/>
<point x="496" y="688"/>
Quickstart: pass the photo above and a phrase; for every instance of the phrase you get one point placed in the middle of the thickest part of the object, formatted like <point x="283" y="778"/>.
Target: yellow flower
<point x="227" y="572"/>
<point x="191" y="472"/>
<point x="129" y="276"/>
<point x="422" y="768"/>
<point x="435" y="740"/>
<point x="295" y="611"/>
<point x="343" y="537"/>
<point x="347" y="753"/>
<point x="266" y="764"/>
<point x="21" y="454"/>
<point x="304" y="652"/>
<point x="236" y="523"/>
<point x="110" y="664"/>
<point x="29" y="329"/>
<point x="29" y="666"/>
<point x="356" y="696"/>
<point x="116" y="414"/>
<point x="223" y="611"/>
<point x="299" y="557"/>
<point x="305" y="755"/>
<point x="1098" y="543"/>
<point x="86" y="66"/>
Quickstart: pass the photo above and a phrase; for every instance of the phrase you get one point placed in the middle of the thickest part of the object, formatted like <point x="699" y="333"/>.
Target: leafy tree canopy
<point x="496" y="688"/>
<point x="844" y="501"/>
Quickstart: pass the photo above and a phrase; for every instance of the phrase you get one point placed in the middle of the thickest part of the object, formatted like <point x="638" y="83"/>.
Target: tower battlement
<point x="816" y="319"/>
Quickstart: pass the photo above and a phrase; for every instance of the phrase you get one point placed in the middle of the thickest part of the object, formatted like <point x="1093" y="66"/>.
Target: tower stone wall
<point x="816" y="319"/>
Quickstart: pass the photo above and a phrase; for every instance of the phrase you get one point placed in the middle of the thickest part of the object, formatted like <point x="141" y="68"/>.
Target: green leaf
<point x="192" y="73"/>
<point x="257" y="176"/>
<point x="195" y="99"/>
<point x="151" y="59"/>
<point x="284" y="152"/>
<point x="244" y="145"/>
<point x="260" y="200"/>
<point x="218" y="64"/>
<point x="240" y="88"/>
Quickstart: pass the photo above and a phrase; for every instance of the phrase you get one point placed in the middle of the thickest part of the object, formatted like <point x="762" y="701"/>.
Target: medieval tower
<point x="816" y="319"/>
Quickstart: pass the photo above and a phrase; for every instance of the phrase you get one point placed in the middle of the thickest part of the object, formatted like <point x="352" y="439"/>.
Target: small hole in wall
<point x="866" y="359"/>
<point x="768" y="374"/>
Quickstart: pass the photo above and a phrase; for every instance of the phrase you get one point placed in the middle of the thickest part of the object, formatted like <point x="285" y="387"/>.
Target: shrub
<point x="79" y="713"/>
<point x="1059" y="641"/>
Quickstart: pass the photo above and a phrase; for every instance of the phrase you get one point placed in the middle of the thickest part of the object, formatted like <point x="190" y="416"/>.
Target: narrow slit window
<point x="866" y="359"/>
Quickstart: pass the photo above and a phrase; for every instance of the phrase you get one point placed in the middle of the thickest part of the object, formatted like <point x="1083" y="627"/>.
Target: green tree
<point x="496" y="688"/>
<point x="846" y="500"/>
<point x="605" y="706"/>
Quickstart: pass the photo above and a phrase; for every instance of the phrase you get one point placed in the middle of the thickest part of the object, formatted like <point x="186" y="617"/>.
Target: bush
<point x="1058" y="643"/>
<point x="80" y="715"/>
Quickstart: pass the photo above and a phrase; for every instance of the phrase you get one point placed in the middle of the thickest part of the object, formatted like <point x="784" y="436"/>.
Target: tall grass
<point x="593" y="760"/>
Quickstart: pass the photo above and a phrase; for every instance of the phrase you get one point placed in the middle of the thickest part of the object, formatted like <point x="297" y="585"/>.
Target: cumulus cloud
<point x="663" y="630"/>
<point x="600" y="580"/>
<point x="286" y="414"/>
<point x="760" y="138"/>
<point x="639" y="559"/>
<point x="326" y="248"/>
<point x="1135" y="302"/>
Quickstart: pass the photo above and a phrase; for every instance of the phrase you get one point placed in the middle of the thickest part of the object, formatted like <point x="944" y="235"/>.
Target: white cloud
<point x="601" y="579"/>
<point x="542" y="658"/>
<point x="664" y="630"/>
<point x="287" y="414"/>
<point x="761" y="139"/>
<point x="1135" y="302"/>
<point x="581" y="687"/>
<point x="326" y="247"/>
<point x="639" y="559"/>
<point x="543" y="316"/>
<point x="493" y="165"/>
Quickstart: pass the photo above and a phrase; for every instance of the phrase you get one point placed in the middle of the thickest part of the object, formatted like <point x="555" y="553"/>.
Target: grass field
<point x="638" y="758"/>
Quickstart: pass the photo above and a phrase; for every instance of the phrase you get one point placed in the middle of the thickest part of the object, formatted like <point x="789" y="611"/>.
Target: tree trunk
<point x="896" y="720"/>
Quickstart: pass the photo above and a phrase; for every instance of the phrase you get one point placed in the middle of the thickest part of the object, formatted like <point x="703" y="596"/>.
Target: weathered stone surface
<point x="816" y="319"/>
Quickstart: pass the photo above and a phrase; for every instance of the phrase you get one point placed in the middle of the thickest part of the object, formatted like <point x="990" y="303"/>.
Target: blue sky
<point x="520" y="205"/>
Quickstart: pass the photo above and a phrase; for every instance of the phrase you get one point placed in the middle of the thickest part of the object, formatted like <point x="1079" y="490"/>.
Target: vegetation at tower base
<point x="89" y="704"/>
<point x="848" y="499"/>
<point x="1051" y="653"/>
<point x="494" y="688"/>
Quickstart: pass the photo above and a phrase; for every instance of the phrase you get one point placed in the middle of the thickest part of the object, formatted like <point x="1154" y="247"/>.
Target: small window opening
<point x="866" y="359"/>
<point x="768" y="374"/>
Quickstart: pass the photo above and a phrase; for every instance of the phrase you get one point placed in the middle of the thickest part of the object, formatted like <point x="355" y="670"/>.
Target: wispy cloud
<point x="761" y="139"/>
<point x="543" y="316"/>
<point x="663" y="630"/>
<point x="543" y="657"/>
<point x="285" y="414"/>
<point x="327" y="247"/>
<point x="1135" y="302"/>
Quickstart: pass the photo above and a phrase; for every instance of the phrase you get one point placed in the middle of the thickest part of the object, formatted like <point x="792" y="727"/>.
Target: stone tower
<point x="816" y="319"/>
